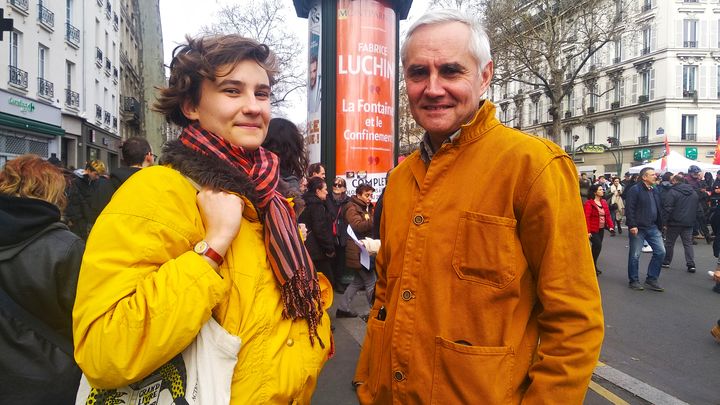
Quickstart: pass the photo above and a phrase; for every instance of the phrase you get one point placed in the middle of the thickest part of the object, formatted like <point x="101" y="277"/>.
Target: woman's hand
<point x="221" y="214"/>
<point x="716" y="276"/>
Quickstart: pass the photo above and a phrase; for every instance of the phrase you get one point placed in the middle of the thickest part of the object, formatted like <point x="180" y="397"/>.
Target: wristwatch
<point x="202" y="248"/>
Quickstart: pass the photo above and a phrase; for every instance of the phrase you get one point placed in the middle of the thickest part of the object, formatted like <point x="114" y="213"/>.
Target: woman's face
<point x="322" y="192"/>
<point x="236" y="105"/>
<point x="599" y="192"/>
<point x="339" y="186"/>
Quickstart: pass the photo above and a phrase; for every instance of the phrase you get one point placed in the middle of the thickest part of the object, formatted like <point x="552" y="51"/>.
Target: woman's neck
<point x="597" y="200"/>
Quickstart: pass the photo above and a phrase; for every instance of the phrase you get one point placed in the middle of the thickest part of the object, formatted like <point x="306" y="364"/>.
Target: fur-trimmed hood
<point x="207" y="170"/>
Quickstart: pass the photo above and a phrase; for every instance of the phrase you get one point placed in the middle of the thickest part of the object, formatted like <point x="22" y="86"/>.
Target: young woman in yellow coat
<point x="163" y="258"/>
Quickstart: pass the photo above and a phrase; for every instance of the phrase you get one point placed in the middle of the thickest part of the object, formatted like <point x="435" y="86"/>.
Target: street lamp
<point x="613" y="141"/>
<point x="574" y="139"/>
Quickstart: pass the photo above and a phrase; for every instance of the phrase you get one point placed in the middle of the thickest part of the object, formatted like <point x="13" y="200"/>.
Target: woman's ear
<point x="189" y="110"/>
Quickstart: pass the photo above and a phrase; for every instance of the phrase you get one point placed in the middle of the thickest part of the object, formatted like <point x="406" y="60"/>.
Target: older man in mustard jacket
<point x="486" y="290"/>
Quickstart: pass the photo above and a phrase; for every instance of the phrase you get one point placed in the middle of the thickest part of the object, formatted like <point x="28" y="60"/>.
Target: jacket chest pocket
<point x="484" y="250"/>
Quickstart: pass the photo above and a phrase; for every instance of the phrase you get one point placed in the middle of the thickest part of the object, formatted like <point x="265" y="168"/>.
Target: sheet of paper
<point x="364" y="254"/>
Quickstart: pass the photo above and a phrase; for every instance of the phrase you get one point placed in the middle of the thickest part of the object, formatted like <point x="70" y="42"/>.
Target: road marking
<point x="612" y="398"/>
<point x="635" y="386"/>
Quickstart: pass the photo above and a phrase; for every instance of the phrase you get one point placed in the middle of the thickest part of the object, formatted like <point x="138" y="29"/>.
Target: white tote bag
<point x="200" y="375"/>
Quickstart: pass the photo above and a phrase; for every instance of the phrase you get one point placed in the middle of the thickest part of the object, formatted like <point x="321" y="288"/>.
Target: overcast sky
<point x="180" y="17"/>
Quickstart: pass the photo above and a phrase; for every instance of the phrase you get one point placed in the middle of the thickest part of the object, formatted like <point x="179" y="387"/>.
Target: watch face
<point x="201" y="247"/>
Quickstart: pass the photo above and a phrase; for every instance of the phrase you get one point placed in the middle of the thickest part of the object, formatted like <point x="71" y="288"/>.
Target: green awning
<point x="25" y="124"/>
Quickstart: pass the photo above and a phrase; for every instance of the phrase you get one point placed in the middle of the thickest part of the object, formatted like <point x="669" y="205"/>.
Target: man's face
<point x="444" y="84"/>
<point x="649" y="177"/>
<point x="320" y="173"/>
<point x="601" y="180"/>
<point x="312" y="70"/>
<point x="235" y="106"/>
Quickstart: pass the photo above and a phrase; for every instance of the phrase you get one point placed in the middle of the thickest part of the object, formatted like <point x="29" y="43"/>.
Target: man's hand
<point x="633" y="231"/>
<point x="221" y="214"/>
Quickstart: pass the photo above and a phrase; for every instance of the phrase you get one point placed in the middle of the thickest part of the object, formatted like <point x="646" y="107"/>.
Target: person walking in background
<point x="102" y="189"/>
<point x="359" y="215"/>
<point x="39" y="265"/>
<point x="136" y="154"/>
<point x="319" y="241"/>
<point x="584" y="186"/>
<point x="617" y="205"/>
<point x="285" y="140"/>
<point x="597" y="218"/>
<point x="643" y="211"/>
<point x="80" y="194"/>
<point x="206" y="234"/>
<point x="680" y="207"/>
<point x="337" y="202"/>
<point x="485" y="291"/>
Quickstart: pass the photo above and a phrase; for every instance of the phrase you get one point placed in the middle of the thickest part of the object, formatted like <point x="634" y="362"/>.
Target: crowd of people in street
<point x="490" y="296"/>
<point x="656" y="211"/>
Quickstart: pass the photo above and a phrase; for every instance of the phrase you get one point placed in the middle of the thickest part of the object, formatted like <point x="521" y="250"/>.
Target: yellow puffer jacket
<point x="143" y="295"/>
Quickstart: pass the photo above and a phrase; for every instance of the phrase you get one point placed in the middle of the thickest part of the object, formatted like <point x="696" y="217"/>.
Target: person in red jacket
<point x="598" y="218"/>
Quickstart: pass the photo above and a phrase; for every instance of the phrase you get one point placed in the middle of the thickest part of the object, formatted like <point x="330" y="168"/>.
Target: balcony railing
<point x="643" y="98"/>
<point x="98" y="113"/>
<point x="18" y="77"/>
<point x="616" y="59"/>
<point x="108" y="10"/>
<point x="116" y="21"/>
<point x="100" y="3"/>
<point x="130" y="104"/>
<point x="108" y="66"/>
<point x="115" y="74"/>
<point x="645" y="7"/>
<point x="642" y="140"/>
<point x="72" y="99"/>
<point x="106" y="118"/>
<point x="591" y="110"/>
<point x="114" y="121"/>
<point x="568" y="114"/>
<point x="98" y="57"/>
<point x="568" y="149"/>
<point x="535" y="122"/>
<point x="72" y="34"/>
<point x="45" y="88"/>
<point x="690" y="44"/>
<point x="21" y="5"/>
<point x="45" y="16"/>
<point x="689" y="94"/>
<point x="689" y="137"/>
<point x="614" y="105"/>
<point x="645" y="51"/>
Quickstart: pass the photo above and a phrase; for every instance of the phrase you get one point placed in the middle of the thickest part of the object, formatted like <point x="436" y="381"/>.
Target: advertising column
<point x="314" y="82"/>
<point x="365" y="112"/>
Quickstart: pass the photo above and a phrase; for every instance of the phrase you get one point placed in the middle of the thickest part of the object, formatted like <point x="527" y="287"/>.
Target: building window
<point x="591" y="135"/>
<point x="14" y="45"/>
<point x="644" y="127"/>
<point x="568" y="139"/>
<point x="689" y="132"/>
<point x="647" y="37"/>
<point x="68" y="10"/>
<point x="689" y="77"/>
<point x="717" y="127"/>
<point x="618" y="51"/>
<point x="616" y="130"/>
<point x="42" y="61"/>
<point x="690" y="33"/>
<point x="69" y="69"/>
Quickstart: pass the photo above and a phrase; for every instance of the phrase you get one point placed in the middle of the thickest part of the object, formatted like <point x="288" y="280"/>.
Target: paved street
<point x="657" y="349"/>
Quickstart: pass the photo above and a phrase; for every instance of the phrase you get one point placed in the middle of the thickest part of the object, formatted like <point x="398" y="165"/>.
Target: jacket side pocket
<point x="375" y="330"/>
<point x="471" y="374"/>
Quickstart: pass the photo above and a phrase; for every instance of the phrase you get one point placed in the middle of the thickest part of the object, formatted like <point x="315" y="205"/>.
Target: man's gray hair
<point x="479" y="43"/>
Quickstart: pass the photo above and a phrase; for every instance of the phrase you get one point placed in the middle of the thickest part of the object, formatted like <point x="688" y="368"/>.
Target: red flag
<point x="663" y="162"/>
<point x="716" y="161"/>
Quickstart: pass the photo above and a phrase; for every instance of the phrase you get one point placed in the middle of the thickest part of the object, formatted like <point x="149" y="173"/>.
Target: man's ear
<point x="189" y="110"/>
<point x="486" y="75"/>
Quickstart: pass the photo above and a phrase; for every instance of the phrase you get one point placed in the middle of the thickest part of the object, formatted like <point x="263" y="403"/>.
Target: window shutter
<point x="653" y="37"/>
<point x="652" y="84"/>
<point x="622" y="91"/>
<point x="679" y="81"/>
<point x="607" y="95"/>
<point x="702" y="34"/>
<point x="713" y="34"/>
<point x="702" y="82"/>
<point x="679" y="33"/>
<point x="633" y="98"/>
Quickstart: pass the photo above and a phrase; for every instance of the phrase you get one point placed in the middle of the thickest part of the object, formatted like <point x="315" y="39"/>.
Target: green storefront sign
<point x="642" y="154"/>
<point x="691" y="153"/>
<point x="25" y="106"/>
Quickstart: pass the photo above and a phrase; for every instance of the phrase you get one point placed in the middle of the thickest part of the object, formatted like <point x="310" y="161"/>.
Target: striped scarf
<point x="286" y="253"/>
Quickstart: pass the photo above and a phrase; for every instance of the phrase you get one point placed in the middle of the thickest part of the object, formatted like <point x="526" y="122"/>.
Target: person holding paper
<point x="359" y="216"/>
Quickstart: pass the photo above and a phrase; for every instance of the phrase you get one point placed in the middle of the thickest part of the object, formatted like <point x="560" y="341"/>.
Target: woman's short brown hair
<point x="30" y="176"/>
<point x="200" y="59"/>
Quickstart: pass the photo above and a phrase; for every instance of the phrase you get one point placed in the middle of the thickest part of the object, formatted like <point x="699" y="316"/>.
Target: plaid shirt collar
<point x="426" y="149"/>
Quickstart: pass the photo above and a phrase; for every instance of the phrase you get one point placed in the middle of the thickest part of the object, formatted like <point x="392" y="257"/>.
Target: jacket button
<point x="398" y="376"/>
<point x="407" y="295"/>
<point x="290" y="342"/>
<point x="418" y="219"/>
